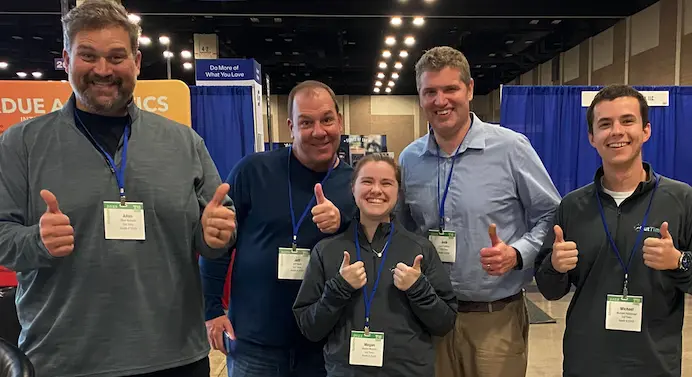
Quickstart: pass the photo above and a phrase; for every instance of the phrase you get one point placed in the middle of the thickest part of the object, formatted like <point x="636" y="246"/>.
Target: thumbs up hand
<point x="565" y="254"/>
<point x="660" y="253"/>
<point x="218" y="222"/>
<point x="325" y="214"/>
<point x="499" y="258"/>
<point x="354" y="274"/>
<point x="56" y="232"/>
<point x="405" y="276"/>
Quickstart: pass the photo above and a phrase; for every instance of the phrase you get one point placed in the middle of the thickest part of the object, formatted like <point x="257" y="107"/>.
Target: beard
<point x="88" y="94"/>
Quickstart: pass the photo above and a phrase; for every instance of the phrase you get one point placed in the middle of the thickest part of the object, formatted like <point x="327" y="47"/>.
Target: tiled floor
<point x="545" y="342"/>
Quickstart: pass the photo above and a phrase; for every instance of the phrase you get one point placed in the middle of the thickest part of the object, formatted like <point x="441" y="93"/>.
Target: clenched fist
<point x="218" y="222"/>
<point x="354" y="274"/>
<point x="405" y="276"/>
<point x="565" y="254"/>
<point x="56" y="232"/>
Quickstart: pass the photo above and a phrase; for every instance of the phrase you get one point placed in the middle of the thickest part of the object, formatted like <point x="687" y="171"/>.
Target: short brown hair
<point x="437" y="58"/>
<point x="98" y="14"/>
<point x="309" y="84"/>
<point x="376" y="157"/>
<point x="615" y="91"/>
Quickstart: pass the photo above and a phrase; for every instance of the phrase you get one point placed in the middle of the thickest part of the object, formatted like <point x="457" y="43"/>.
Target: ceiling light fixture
<point x="390" y="41"/>
<point x="134" y="18"/>
<point x="383" y="65"/>
<point x="37" y="74"/>
<point x="403" y="54"/>
<point x="391" y="83"/>
<point x="388" y="90"/>
<point x="396" y="21"/>
<point x="144" y="41"/>
<point x="4" y="65"/>
<point x="380" y="75"/>
<point x="164" y="40"/>
<point x="185" y="54"/>
<point x="376" y="90"/>
<point x="395" y="75"/>
<point x="378" y="83"/>
<point x="418" y="21"/>
<point x="167" y="54"/>
<point x="398" y="65"/>
<point x="187" y="65"/>
<point x="409" y="41"/>
<point x="21" y="74"/>
<point x="386" y="54"/>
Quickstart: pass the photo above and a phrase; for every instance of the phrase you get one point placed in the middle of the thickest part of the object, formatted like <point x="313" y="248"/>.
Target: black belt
<point x="488" y="307"/>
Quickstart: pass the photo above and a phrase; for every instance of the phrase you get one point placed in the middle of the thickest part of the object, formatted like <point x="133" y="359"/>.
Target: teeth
<point x="443" y="112"/>
<point x="376" y="201"/>
<point x="617" y="145"/>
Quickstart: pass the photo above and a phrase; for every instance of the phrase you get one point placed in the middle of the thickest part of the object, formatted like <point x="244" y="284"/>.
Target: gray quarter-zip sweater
<point x="111" y="308"/>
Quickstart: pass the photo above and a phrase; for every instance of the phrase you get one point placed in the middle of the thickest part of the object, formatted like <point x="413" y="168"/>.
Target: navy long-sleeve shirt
<point x="260" y="306"/>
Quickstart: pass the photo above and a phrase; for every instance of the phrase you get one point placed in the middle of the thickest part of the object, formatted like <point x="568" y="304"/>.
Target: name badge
<point x="445" y="243"/>
<point x="366" y="350"/>
<point x="124" y="222"/>
<point x="624" y="313"/>
<point x="293" y="263"/>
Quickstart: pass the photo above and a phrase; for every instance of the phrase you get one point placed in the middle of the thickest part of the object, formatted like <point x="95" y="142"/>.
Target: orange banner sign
<point x="22" y="100"/>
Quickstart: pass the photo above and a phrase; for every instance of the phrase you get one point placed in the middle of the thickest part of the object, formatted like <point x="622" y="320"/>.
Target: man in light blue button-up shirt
<point x="482" y="195"/>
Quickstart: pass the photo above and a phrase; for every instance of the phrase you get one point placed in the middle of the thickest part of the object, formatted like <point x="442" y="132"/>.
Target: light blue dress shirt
<point x="497" y="178"/>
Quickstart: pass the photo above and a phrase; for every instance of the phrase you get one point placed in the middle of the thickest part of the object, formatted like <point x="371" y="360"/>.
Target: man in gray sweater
<point x="103" y="208"/>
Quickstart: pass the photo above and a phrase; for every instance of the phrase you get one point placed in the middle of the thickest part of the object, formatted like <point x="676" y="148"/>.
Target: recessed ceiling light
<point x="37" y="74"/>
<point x="555" y="22"/>
<point x="378" y="83"/>
<point x="418" y="21"/>
<point x="21" y="74"/>
<point x="134" y="18"/>
<point x="395" y="75"/>
<point x="528" y="42"/>
<point x="398" y="65"/>
<point x="376" y="90"/>
<point x="390" y="41"/>
<point x="278" y="53"/>
<point x="187" y="65"/>
<point x="268" y="39"/>
<point x="295" y="53"/>
<point x="386" y="54"/>
<point x="509" y="54"/>
<point x="391" y="83"/>
<point x="396" y="21"/>
<point x="534" y="22"/>
<point x="493" y="66"/>
<point x="288" y="39"/>
<point x="17" y="37"/>
<point x="492" y="54"/>
<point x="509" y="42"/>
<point x="277" y="19"/>
<point x="409" y="41"/>
<point x="4" y="65"/>
<point x="388" y="90"/>
<point x="383" y="65"/>
<point x="480" y="75"/>
<point x="185" y="54"/>
<point x="164" y="40"/>
<point x="403" y="54"/>
<point x="254" y="19"/>
<point x="144" y="41"/>
<point x="167" y="54"/>
<point x="380" y="75"/>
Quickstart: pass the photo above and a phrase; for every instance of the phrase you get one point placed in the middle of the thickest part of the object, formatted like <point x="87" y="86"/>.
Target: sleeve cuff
<point x="523" y="256"/>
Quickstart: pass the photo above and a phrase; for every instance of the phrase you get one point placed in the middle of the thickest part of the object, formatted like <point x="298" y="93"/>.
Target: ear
<point x="138" y="61"/>
<point x="469" y="88"/>
<point x="647" y="132"/>
<point x="289" y="122"/>
<point x="591" y="139"/>
<point x="341" y="123"/>
<point x="66" y="60"/>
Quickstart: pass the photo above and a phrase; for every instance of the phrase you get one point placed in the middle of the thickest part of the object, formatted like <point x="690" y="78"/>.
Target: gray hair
<point x="98" y="14"/>
<point x="437" y="58"/>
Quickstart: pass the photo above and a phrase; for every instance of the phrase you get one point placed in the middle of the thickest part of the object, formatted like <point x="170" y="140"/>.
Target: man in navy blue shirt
<point x="286" y="201"/>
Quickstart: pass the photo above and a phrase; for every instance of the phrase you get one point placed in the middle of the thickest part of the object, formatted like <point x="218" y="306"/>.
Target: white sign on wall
<point x="206" y="46"/>
<point x="653" y="98"/>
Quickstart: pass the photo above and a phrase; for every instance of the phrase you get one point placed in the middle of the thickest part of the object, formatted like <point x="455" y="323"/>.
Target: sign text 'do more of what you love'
<point x="20" y="100"/>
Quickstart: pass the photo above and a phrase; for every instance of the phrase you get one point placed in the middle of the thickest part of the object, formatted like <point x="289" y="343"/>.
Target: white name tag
<point x="293" y="263"/>
<point x="445" y="243"/>
<point x="366" y="350"/>
<point x="124" y="222"/>
<point x="624" y="314"/>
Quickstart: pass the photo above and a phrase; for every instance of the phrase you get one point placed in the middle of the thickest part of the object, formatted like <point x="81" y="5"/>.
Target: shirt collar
<point x="475" y="138"/>
<point x="67" y="110"/>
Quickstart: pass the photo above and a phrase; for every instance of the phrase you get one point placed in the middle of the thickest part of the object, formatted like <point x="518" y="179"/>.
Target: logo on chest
<point x="647" y="229"/>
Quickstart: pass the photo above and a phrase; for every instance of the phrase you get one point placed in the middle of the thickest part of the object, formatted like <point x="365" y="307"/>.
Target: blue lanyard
<point x="441" y="203"/>
<point x="119" y="172"/>
<point x="639" y="235"/>
<point x="295" y="225"/>
<point x="368" y="299"/>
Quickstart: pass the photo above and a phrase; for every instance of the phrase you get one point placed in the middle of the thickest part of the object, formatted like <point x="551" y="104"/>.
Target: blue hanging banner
<point x="232" y="72"/>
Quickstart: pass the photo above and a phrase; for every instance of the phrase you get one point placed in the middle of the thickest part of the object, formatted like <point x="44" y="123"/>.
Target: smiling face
<point x="376" y="190"/>
<point x="316" y="128"/>
<point x="618" y="131"/>
<point x="102" y="70"/>
<point x="445" y="99"/>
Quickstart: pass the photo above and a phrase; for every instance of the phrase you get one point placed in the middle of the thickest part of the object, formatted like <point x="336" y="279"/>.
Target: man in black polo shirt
<point x="623" y="242"/>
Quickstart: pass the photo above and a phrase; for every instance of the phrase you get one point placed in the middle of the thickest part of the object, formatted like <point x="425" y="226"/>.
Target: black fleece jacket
<point x="589" y="349"/>
<point x="327" y="305"/>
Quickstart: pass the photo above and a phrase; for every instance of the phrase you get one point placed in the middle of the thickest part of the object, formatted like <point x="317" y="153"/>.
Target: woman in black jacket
<point x="378" y="292"/>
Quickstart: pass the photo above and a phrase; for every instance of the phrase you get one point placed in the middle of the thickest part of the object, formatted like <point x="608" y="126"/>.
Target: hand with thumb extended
<point x="492" y="233"/>
<point x="405" y="276"/>
<point x="565" y="254"/>
<point x="56" y="232"/>
<point x="660" y="253"/>
<point x="218" y="222"/>
<point x="325" y="214"/>
<point x="354" y="274"/>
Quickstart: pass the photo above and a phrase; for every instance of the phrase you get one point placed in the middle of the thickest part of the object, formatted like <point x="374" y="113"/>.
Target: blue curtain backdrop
<point x="223" y="117"/>
<point x="555" y="122"/>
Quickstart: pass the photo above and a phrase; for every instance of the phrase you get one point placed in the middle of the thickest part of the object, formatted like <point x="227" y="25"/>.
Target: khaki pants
<point x="486" y="344"/>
